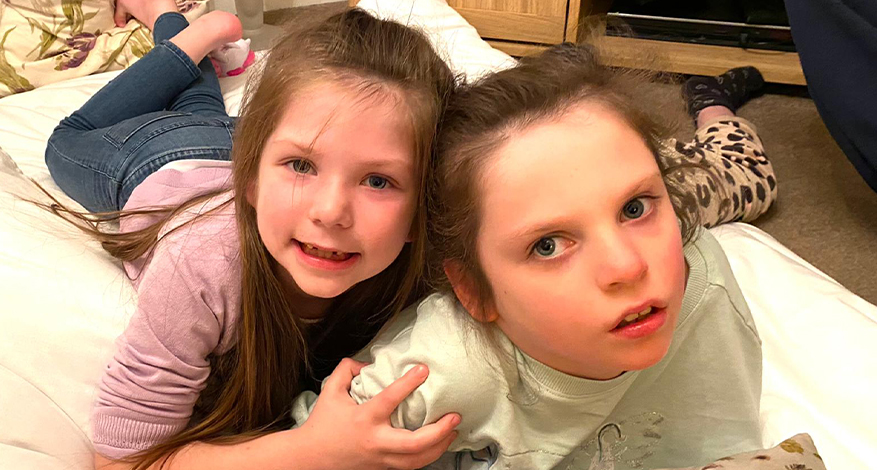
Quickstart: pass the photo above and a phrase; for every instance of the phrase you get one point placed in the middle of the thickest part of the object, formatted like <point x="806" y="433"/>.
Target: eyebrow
<point x="642" y="184"/>
<point x="288" y="142"/>
<point x="531" y="232"/>
<point x="366" y="162"/>
<point x="547" y="226"/>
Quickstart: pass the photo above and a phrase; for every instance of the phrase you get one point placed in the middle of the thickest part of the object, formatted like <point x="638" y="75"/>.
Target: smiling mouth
<point x="318" y="252"/>
<point x="636" y="317"/>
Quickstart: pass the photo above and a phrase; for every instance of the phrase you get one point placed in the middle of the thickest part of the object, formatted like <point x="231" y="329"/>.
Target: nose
<point x="331" y="205"/>
<point x="621" y="261"/>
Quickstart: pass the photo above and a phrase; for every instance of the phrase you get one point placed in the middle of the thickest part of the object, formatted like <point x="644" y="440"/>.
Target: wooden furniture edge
<point x="700" y="59"/>
<point x="573" y="19"/>
<point x="694" y="59"/>
<point x="511" y="26"/>
<point x="516" y="49"/>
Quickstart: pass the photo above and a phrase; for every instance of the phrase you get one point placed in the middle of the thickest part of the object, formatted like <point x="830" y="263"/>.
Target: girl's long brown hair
<point x="251" y="387"/>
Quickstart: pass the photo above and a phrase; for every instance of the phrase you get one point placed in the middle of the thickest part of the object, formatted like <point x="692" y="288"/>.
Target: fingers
<point x="389" y="399"/>
<point x="441" y="433"/>
<point x="120" y="16"/>
<point x="356" y="367"/>
<point x="339" y="380"/>
<point x="424" y="457"/>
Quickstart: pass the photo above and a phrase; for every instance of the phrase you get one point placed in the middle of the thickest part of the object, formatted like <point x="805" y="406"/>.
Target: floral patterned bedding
<point x="46" y="41"/>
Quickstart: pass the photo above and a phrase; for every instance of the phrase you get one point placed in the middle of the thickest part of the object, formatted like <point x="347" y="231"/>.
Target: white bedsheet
<point x="63" y="300"/>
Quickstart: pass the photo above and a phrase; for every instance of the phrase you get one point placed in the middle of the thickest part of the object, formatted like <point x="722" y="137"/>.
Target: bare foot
<point x="147" y="11"/>
<point x="207" y="33"/>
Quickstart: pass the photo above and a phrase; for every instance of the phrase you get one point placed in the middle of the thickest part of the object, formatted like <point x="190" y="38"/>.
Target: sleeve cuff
<point x="116" y="437"/>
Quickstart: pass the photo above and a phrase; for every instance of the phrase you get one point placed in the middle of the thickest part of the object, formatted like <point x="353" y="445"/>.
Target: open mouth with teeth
<point x="318" y="252"/>
<point x="635" y="317"/>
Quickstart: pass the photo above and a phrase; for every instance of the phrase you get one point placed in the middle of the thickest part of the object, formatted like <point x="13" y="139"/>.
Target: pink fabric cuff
<point x="116" y="437"/>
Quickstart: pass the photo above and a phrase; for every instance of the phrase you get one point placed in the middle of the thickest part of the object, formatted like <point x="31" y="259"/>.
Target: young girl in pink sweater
<point x="258" y="265"/>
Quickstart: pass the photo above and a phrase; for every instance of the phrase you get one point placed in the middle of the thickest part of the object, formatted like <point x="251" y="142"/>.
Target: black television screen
<point x="754" y="24"/>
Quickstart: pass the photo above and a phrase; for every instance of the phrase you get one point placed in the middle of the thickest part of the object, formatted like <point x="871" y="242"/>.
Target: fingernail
<point x="421" y="370"/>
<point x="456" y="420"/>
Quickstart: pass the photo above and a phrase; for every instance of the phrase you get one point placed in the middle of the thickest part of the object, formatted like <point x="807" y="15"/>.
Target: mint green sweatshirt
<point x="699" y="403"/>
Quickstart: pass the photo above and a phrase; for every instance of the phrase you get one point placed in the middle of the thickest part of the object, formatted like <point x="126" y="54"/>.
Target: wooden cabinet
<point x="528" y="21"/>
<point x="521" y="27"/>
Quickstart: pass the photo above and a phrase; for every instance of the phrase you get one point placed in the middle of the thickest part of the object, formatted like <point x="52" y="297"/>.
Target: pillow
<point x="795" y="453"/>
<point x="44" y="42"/>
<point x="454" y="39"/>
<point x="64" y="301"/>
<point x="818" y="344"/>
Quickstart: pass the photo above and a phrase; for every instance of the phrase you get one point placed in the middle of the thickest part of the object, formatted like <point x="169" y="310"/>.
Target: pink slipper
<point x="232" y="58"/>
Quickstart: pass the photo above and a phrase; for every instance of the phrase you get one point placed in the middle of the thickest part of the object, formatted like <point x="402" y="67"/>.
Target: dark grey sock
<point x="731" y="89"/>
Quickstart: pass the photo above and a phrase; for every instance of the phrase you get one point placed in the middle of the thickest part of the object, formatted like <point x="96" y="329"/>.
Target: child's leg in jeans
<point x="739" y="182"/>
<point x="101" y="152"/>
<point x="156" y="81"/>
<point x="203" y="96"/>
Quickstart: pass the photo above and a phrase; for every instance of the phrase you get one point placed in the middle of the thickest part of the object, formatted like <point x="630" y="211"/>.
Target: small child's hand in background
<point x="349" y="435"/>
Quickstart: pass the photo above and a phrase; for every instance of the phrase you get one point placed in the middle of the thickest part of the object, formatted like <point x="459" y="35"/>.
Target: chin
<point x="643" y="364"/>
<point x="324" y="290"/>
<point x="647" y="357"/>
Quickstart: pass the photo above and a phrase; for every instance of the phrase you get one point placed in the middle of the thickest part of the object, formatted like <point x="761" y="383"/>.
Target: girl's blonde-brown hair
<point x="483" y="115"/>
<point x="251" y="387"/>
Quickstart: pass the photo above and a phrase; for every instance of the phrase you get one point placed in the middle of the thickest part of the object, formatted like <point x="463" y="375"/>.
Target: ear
<point x="467" y="293"/>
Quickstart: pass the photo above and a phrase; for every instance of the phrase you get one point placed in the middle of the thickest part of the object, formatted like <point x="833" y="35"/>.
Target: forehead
<point x="336" y="101"/>
<point x="588" y="155"/>
<point x="348" y="117"/>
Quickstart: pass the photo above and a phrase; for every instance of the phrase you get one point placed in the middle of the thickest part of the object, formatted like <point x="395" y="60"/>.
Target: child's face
<point x="340" y="212"/>
<point x="578" y="234"/>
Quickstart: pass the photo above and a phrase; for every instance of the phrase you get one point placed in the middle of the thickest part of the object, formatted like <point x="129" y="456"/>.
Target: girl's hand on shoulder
<point x="355" y="436"/>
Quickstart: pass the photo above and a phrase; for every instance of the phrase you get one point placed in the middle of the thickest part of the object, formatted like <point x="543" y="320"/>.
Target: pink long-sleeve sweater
<point x="188" y="300"/>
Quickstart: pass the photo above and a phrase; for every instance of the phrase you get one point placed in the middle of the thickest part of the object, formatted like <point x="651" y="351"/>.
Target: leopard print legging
<point x="733" y="179"/>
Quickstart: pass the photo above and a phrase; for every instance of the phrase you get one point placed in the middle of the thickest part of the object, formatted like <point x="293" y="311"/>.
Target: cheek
<point x="389" y="220"/>
<point x="517" y="296"/>
<point x="275" y="212"/>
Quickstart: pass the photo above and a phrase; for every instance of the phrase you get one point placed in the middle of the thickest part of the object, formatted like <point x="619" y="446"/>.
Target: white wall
<point x="228" y="5"/>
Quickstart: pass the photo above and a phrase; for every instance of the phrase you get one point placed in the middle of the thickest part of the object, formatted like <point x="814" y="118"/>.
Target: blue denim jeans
<point x="161" y="109"/>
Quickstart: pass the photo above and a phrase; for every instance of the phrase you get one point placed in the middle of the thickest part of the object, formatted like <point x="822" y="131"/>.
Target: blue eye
<point x="545" y="247"/>
<point x="636" y="208"/>
<point x="376" y="182"/>
<point x="551" y="247"/>
<point x="300" y="166"/>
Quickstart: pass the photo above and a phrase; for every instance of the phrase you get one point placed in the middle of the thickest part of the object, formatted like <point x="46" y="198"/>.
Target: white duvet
<point x="63" y="300"/>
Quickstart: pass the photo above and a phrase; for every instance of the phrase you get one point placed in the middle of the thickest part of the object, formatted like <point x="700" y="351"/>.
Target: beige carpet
<point x="825" y="212"/>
